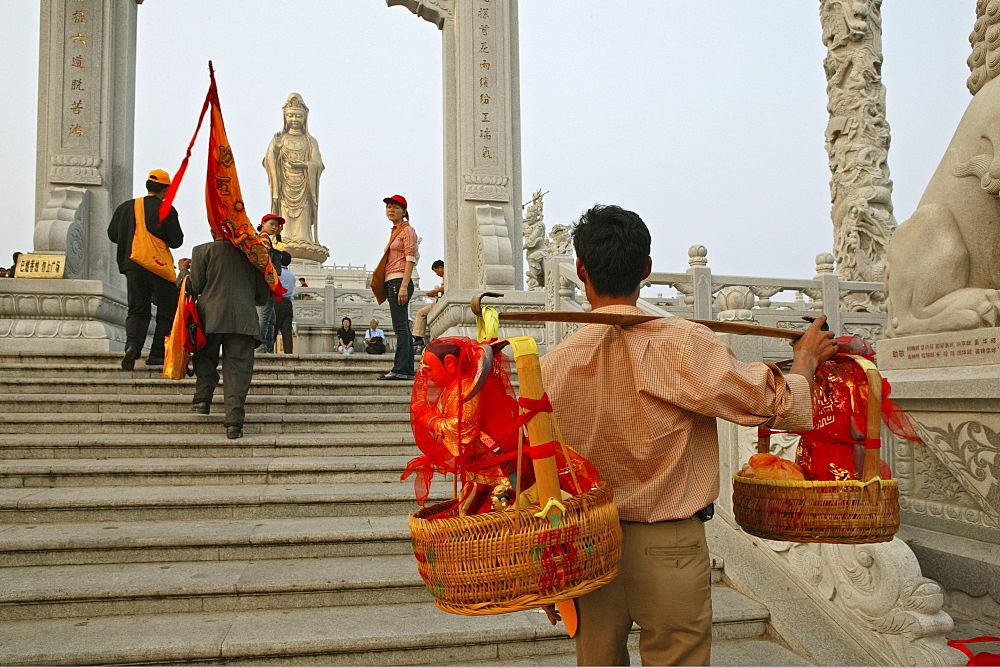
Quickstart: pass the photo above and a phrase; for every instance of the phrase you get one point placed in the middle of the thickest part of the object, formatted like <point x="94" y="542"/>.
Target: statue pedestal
<point x="949" y="385"/>
<point x="61" y="316"/>
<point x="305" y="250"/>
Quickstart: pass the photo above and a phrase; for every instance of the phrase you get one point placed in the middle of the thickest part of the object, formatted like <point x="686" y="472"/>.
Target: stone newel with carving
<point x="857" y="142"/>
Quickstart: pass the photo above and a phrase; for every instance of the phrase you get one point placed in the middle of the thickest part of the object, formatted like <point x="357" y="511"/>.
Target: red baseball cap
<point x="398" y="199"/>
<point x="271" y="216"/>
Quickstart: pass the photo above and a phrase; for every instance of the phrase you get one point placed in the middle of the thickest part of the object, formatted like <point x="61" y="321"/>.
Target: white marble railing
<point x="703" y="295"/>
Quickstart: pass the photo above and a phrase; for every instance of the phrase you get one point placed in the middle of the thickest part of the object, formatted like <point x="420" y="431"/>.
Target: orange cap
<point x="159" y="176"/>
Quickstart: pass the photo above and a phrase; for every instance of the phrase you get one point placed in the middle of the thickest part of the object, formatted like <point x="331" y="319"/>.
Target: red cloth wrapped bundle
<point x="467" y="420"/>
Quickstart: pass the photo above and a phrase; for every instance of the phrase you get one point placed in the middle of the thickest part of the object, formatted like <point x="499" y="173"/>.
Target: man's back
<point x="640" y="402"/>
<point x="227" y="287"/>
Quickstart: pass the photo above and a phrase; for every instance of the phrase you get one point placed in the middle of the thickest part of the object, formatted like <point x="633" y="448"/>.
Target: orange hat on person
<point x="159" y="176"/>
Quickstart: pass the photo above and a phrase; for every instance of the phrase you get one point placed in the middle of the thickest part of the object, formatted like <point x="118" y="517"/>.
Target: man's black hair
<point x="156" y="187"/>
<point x="442" y="349"/>
<point x="286" y="258"/>
<point x="613" y="244"/>
<point x="437" y="263"/>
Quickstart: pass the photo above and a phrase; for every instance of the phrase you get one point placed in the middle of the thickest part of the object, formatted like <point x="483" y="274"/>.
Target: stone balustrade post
<point x="829" y="290"/>
<point x="701" y="282"/>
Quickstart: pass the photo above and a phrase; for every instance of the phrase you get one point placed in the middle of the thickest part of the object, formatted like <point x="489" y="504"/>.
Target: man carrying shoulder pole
<point x="641" y="403"/>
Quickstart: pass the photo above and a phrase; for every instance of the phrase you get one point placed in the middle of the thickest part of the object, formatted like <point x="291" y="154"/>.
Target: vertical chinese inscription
<point x="486" y="71"/>
<point x="82" y="44"/>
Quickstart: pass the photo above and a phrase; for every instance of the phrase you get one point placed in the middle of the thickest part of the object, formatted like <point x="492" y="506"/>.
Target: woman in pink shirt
<point x="398" y="286"/>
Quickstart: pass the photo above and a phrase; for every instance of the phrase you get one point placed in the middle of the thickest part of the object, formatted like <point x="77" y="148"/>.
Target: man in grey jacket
<point x="227" y="288"/>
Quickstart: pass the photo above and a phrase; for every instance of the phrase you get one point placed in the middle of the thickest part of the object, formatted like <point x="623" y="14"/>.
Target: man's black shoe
<point x="201" y="407"/>
<point x="154" y="361"/>
<point x="131" y="355"/>
<point x="234" y="431"/>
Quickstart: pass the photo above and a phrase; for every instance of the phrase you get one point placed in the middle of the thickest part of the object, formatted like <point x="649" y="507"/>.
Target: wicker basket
<point x="823" y="511"/>
<point x="508" y="561"/>
<point x="817" y="511"/>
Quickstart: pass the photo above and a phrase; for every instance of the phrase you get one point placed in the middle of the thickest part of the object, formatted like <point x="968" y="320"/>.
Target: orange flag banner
<point x="226" y="214"/>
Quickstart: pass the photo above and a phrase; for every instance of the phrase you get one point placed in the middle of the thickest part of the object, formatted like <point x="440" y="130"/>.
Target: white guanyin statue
<point x="294" y="165"/>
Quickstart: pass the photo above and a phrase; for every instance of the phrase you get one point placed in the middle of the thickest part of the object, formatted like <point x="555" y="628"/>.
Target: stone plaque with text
<point x="36" y="265"/>
<point x="968" y="348"/>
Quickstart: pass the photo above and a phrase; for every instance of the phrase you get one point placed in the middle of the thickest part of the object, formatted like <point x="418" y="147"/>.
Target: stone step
<point x="262" y="371"/>
<point x="362" y="387"/>
<point x="167" y="423"/>
<point x="201" y="502"/>
<point x="100" y="590"/>
<point x="198" y="471"/>
<point x="394" y="442"/>
<point x="113" y="360"/>
<point x="178" y="403"/>
<point x="364" y="635"/>
<point x="59" y="544"/>
<point x="734" y="652"/>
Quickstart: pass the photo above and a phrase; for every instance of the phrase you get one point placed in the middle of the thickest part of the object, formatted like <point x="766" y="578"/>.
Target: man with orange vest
<point x="144" y="287"/>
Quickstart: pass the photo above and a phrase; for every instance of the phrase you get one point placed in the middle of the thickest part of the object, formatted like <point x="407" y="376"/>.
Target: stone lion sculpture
<point x="943" y="264"/>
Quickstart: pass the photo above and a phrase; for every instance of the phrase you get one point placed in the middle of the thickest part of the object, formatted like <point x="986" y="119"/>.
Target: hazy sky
<point x="706" y="118"/>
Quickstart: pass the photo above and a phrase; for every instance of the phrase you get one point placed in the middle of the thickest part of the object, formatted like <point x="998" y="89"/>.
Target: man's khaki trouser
<point x="664" y="586"/>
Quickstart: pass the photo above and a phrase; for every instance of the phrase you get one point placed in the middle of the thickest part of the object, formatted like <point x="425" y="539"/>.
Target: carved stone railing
<point x="698" y="289"/>
<point x="318" y="313"/>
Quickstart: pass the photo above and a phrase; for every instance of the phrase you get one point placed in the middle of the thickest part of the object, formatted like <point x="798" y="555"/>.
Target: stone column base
<point x="452" y="316"/>
<point x="61" y="316"/>
<point x="949" y="385"/>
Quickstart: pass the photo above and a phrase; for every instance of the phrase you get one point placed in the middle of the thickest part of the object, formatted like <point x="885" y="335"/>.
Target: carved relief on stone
<point x="535" y="246"/>
<point x="857" y="141"/>
<point x="942" y="273"/>
<point x="970" y="451"/>
<point x="495" y="254"/>
<point x="561" y="240"/>
<point x="870" y="333"/>
<point x="63" y="228"/>
<point x="486" y="188"/>
<point x="735" y="303"/>
<point x="876" y="593"/>
<point x="435" y="11"/>
<point x="76" y="169"/>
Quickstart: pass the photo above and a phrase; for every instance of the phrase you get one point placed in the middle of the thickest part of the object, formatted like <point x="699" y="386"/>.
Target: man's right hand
<point x="184" y="263"/>
<point x="814" y="347"/>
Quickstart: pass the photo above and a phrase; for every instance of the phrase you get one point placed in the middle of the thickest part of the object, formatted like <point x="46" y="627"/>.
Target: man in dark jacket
<point x="228" y="288"/>
<point x="145" y="287"/>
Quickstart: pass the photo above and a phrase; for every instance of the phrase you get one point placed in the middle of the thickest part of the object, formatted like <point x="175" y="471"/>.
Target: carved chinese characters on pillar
<point x="486" y="52"/>
<point x="82" y="49"/>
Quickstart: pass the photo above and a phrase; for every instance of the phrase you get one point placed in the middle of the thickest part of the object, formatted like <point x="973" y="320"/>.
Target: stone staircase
<point x="132" y="531"/>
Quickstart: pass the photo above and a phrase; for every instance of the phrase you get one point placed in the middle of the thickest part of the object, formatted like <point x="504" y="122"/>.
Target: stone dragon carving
<point x="878" y="595"/>
<point x="857" y="142"/>
<point x="943" y="271"/>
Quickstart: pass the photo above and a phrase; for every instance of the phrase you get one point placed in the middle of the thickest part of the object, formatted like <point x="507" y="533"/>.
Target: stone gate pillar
<point x="482" y="162"/>
<point x="482" y="142"/>
<point x="86" y="108"/>
<point x="83" y="169"/>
